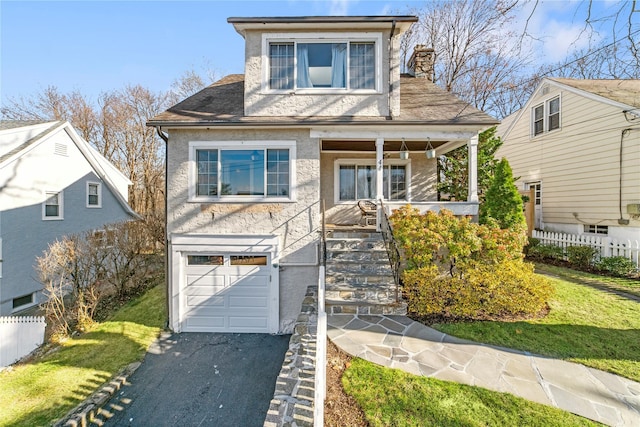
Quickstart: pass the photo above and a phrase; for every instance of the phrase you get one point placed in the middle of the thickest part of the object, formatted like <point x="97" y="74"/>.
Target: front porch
<point x="390" y="170"/>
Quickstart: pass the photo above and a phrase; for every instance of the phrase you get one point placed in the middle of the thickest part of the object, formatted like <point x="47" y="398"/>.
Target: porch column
<point x="379" y="168"/>
<point x="379" y="177"/>
<point x="472" y="147"/>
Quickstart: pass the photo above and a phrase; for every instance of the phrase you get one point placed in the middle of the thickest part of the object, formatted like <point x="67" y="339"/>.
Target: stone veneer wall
<point x="293" y="398"/>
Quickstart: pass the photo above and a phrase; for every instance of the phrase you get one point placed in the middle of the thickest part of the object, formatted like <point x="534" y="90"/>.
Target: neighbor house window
<point x="94" y="195"/>
<point x="596" y="229"/>
<point x="22" y="302"/>
<point x="315" y="64"/>
<point x="242" y="171"/>
<point x="546" y="117"/>
<point x="52" y="206"/>
<point x="358" y="181"/>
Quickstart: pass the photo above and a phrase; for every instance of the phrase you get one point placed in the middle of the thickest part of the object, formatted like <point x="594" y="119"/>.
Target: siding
<point x="579" y="163"/>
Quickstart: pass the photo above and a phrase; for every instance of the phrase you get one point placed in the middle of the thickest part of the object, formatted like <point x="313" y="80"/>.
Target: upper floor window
<point x="319" y="64"/>
<point x="546" y="116"/>
<point x="223" y="171"/>
<point x="52" y="207"/>
<point x="94" y="195"/>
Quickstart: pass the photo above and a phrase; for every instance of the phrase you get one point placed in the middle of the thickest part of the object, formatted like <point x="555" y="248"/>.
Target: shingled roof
<point x="623" y="91"/>
<point x="222" y="103"/>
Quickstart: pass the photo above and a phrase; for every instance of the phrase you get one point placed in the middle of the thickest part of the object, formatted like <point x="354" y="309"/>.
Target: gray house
<point x="321" y="114"/>
<point x="52" y="184"/>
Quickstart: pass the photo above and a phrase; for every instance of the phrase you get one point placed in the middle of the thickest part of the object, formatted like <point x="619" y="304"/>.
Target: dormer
<point x="322" y="66"/>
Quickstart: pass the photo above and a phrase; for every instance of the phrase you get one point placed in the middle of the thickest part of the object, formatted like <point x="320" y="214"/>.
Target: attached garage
<point x="224" y="284"/>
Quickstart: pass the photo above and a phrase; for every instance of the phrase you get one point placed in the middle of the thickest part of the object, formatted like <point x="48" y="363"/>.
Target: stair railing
<point x="323" y="240"/>
<point x="392" y="248"/>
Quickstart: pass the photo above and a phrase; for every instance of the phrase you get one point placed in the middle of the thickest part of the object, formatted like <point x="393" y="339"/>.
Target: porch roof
<point x="421" y="103"/>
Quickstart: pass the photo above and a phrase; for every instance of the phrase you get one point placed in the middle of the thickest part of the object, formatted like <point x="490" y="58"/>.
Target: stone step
<point x="369" y="235"/>
<point x="355" y="244"/>
<point x="374" y="296"/>
<point x="357" y="267"/>
<point x="371" y="256"/>
<point x="336" y="278"/>
<point x="398" y="309"/>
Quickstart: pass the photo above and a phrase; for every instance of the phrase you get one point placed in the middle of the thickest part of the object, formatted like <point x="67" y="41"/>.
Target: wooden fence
<point x="19" y="336"/>
<point x="607" y="246"/>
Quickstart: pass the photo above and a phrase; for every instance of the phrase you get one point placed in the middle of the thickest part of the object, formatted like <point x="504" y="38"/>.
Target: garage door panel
<point x="205" y="301"/>
<point x="248" y="302"/>
<point x="205" y="280"/>
<point x="205" y="290"/>
<point x="204" y="323"/>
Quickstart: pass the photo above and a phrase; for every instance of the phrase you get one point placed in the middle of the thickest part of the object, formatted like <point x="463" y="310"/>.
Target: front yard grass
<point x="43" y="390"/>
<point x="390" y="397"/>
<point x="585" y="325"/>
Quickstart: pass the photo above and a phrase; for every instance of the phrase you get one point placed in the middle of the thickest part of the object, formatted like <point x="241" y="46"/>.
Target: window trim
<point x="99" y="204"/>
<point x="364" y="37"/>
<point x="60" y="215"/>
<point x="546" y="114"/>
<point x="240" y="145"/>
<point x="368" y="162"/>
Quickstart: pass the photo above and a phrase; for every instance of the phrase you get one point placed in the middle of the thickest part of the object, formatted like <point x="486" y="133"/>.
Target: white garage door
<point x="227" y="293"/>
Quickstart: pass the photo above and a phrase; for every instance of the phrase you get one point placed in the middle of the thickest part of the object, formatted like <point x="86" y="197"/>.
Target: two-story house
<point x="52" y="184"/>
<point x="576" y="143"/>
<point x="321" y="117"/>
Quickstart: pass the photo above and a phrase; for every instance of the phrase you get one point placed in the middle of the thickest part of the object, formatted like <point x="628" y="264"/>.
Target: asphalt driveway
<point x="201" y="379"/>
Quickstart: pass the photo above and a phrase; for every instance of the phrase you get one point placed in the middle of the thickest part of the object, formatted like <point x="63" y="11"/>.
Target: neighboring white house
<point x="321" y="114"/>
<point x="577" y="143"/>
<point x="52" y="184"/>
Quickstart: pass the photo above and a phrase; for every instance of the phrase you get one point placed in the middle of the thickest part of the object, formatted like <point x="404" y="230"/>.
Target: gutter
<point x="305" y="124"/>
<point x="165" y="138"/>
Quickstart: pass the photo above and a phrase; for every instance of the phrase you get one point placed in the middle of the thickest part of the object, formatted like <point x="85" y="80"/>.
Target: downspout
<point x="165" y="138"/>
<point x="389" y="100"/>
<point x="621" y="220"/>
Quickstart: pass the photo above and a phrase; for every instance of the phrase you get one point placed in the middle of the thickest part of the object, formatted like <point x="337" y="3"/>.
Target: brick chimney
<point x="421" y="62"/>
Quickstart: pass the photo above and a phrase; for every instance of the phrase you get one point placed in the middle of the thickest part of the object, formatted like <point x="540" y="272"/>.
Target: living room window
<point x="52" y="208"/>
<point x="305" y="63"/>
<point x="94" y="195"/>
<point x="546" y="117"/>
<point x="356" y="180"/>
<point x="242" y="171"/>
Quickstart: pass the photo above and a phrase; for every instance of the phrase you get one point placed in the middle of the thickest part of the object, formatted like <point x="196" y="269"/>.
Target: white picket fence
<point x="607" y="246"/>
<point x="19" y="336"/>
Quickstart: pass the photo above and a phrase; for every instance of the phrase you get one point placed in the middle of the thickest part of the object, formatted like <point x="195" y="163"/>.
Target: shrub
<point x="531" y="243"/>
<point x="509" y="288"/>
<point x="503" y="201"/>
<point x="545" y="252"/>
<point x="616" y="266"/>
<point x="462" y="270"/>
<point x="582" y="256"/>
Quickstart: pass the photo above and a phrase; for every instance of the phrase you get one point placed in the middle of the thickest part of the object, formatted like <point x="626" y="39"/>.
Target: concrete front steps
<point x="359" y="279"/>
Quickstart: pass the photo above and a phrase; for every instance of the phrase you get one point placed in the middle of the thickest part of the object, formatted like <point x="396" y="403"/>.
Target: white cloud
<point x="340" y="7"/>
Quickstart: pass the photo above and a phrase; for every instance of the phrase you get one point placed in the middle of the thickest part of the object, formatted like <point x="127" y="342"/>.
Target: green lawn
<point x="39" y="392"/>
<point x="631" y="286"/>
<point x="585" y="325"/>
<point x="390" y="397"/>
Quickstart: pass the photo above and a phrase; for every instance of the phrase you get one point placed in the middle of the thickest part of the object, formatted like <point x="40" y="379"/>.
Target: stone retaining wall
<point x="293" y="400"/>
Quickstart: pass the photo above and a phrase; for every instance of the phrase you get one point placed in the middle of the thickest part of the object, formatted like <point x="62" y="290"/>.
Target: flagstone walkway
<point x="399" y="342"/>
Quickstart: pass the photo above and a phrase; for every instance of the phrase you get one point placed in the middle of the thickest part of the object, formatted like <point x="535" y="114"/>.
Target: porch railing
<point x="392" y="247"/>
<point x="323" y="239"/>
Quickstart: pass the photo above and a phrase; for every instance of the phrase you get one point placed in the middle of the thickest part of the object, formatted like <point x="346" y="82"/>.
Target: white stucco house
<point x="321" y="114"/>
<point x="577" y="144"/>
<point x="52" y="184"/>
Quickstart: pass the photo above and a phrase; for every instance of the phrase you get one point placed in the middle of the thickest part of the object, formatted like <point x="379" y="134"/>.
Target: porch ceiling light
<point x="404" y="151"/>
<point x="430" y="152"/>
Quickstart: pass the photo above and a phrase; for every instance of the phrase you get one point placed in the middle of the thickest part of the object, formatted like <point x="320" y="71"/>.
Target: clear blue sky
<point x="96" y="46"/>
